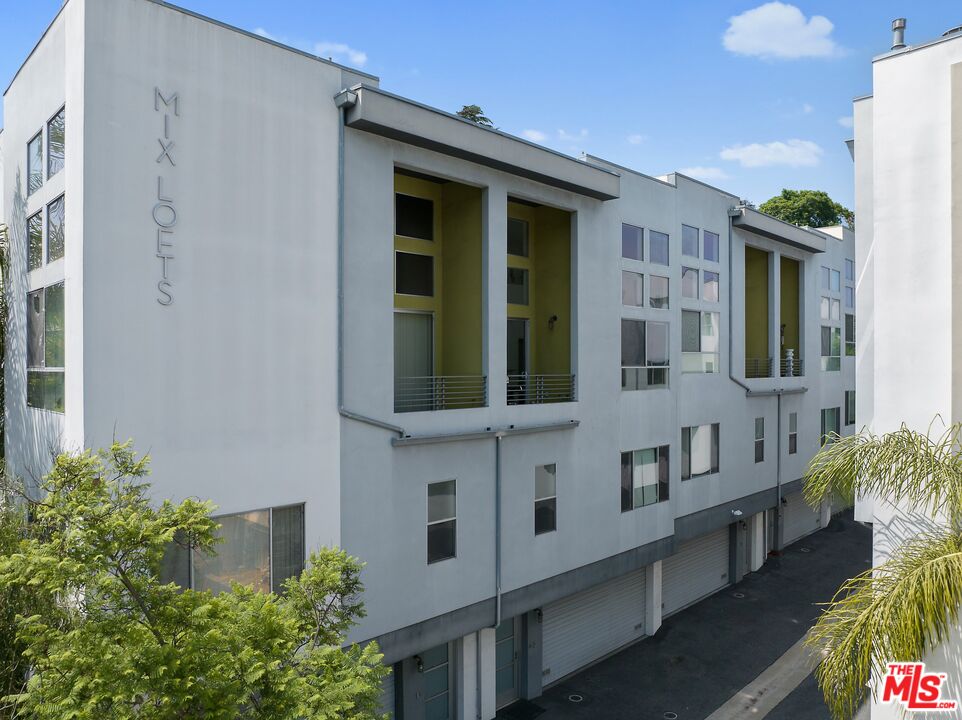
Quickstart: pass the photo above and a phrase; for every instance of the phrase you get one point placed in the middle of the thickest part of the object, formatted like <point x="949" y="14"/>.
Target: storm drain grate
<point x="576" y="698"/>
<point x="670" y="715"/>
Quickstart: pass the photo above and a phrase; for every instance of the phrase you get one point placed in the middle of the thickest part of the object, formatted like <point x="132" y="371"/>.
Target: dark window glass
<point x="413" y="217"/>
<point x="545" y="515"/>
<point x="690" y="331"/>
<point x="545" y="499"/>
<point x="53" y="393"/>
<point x="849" y="407"/>
<point x="517" y="286"/>
<point x="442" y="522"/>
<point x="413" y="274"/>
<point x="441" y="540"/>
<point x="34" y="164"/>
<point x="35" y="241"/>
<point x="632" y="242"/>
<point x="35" y="325"/>
<point x="35" y="388"/>
<point x="711" y="246"/>
<point x="626" y="482"/>
<point x="663" y="475"/>
<point x="632" y="343"/>
<point x="792" y="443"/>
<point x="715" y="432"/>
<point x="55" y="143"/>
<point x="517" y="237"/>
<point x="55" y="229"/>
<point x="175" y="565"/>
<point x="287" y="544"/>
<point x="53" y="334"/>
<point x="689" y="241"/>
<point x="685" y="453"/>
<point x="657" y="291"/>
<point x="850" y="335"/>
<point x="826" y="341"/>
<point x="657" y="247"/>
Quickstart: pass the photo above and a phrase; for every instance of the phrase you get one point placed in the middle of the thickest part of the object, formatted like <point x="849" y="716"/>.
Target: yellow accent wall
<point x="756" y="303"/>
<point x="790" y="302"/>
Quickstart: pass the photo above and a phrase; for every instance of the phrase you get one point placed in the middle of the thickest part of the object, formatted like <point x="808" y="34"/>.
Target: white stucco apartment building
<point x="549" y="401"/>
<point x="908" y="201"/>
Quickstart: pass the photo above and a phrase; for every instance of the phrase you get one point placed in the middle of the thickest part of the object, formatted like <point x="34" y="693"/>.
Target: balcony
<point x="539" y="389"/>
<point x="792" y="367"/>
<point x="758" y="367"/>
<point x="440" y="392"/>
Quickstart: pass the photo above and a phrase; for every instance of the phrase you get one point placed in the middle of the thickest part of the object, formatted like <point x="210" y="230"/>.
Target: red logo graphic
<point x="909" y="684"/>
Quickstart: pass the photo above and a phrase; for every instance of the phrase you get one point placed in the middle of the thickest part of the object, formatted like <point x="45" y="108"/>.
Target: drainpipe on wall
<point x="343" y="100"/>
<point x="497" y="530"/>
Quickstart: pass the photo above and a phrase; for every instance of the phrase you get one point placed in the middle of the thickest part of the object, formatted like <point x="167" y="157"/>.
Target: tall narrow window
<point x="658" y="291"/>
<point x="632" y="289"/>
<point x="849" y="296"/>
<point x="825" y="308"/>
<point x="836" y="281"/>
<point x="517" y="286"/>
<point x="699" y="450"/>
<point x="831" y="348"/>
<point x="45" y="348"/>
<point x="657" y="248"/>
<point x="689" y="283"/>
<point x="413" y="217"/>
<point x="55" y="229"/>
<point x="849" y="334"/>
<point x="709" y="286"/>
<point x="34" y="241"/>
<point x="442" y="521"/>
<point x="849" y="407"/>
<point x="545" y="499"/>
<point x="413" y="274"/>
<point x="849" y="270"/>
<point x="56" y="128"/>
<point x="34" y="163"/>
<point x="517" y="237"/>
<point x="710" y="242"/>
<point x="689" y="241"/>
<point x="826" y="276"/>
<point x="632" y="243"/>
<point x="830" y="427"/>
<point x="759" y="439"/>
<point x="836" y="310"/>
<point x="792" y="433"/>
<point x="699" y="342"/>
<point x="644" y="477"/>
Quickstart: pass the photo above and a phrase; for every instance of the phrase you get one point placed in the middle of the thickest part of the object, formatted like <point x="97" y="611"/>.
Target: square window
<point x="632" y="242"/>
<point x="55" y="143"/>
<point x="657" y="248"/>
<point x="658" y="291"/>
<point x="545" y="499"/>
<point x="517" y="286"/>
<point x="709" y="286"/>
<point x="413" y="217"/>
<point x="55" y="229"/>
<point x="711" y="246"/>
<point x="517" y="237"/>
<point x="413" y="274"/>
<point x="442" y="520"/>
<point x="689" y="283"/>
<point x="689" y="241"/>
<point x="644" y="477"/>
<point x="632" y="289"/>
<point x="34" y="164"/>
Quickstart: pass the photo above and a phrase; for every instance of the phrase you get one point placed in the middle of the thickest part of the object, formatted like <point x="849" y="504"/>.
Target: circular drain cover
<point x="804" y="550"/>
<point x="738" y="595"/>
<point x="575" y="698"/>
<point x="670" y="716"/>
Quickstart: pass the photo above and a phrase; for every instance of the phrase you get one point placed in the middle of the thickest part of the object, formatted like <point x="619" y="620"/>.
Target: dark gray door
<point x="507" y="654"/>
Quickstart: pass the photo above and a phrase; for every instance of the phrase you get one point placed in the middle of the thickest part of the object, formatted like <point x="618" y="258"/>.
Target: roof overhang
<point x="381" y="113"/>
<point x="778" y="230"/>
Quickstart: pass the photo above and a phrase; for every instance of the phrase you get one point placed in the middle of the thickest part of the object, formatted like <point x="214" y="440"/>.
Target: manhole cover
<point x="670" y="716"/>
<point x="738" y="595"/>
<point x="804" y="550"/>
<point x="575" y="698"/>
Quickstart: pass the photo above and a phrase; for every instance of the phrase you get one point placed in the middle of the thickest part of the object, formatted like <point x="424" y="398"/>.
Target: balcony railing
<point x="758" y="367"/>
<point x="440" y="392"/>
<point x="537" y="389"/>
<point x="792" y="367"/>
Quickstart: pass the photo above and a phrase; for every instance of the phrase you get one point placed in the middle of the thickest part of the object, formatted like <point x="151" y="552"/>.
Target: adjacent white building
<point x="908" y="204"/>
<point x="549" y="401"/>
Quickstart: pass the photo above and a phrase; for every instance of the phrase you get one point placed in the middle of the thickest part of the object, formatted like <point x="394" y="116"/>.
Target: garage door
<point x="799" y="518"/>
<point x="588" y="625"/>
<point x="387" y="695"/>
<point x="698" y="569"/>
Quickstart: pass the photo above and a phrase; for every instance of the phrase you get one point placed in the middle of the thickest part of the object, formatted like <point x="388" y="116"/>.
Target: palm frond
<point x="904" y="465"/>
<point x="897" y="612"/>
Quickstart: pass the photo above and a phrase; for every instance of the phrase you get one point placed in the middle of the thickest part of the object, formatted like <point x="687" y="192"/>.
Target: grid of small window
<point x="759" y="439"/>
<point x="792" y="433"/>
<point x="442" y="520"/>
<point x="644" y="354"/>
<point x="545" y="499"/>
<point x="644" y="477"/>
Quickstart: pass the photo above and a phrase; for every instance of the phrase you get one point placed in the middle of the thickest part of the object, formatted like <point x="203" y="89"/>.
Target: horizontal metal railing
<point x="440" y="392"/>
<point x="536" y="389"/>
<point x="758" y="367"/>
<point x="792" y="367"/>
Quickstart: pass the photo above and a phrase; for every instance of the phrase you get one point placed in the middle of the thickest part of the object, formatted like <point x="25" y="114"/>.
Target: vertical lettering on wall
<point x="164" y="212"/>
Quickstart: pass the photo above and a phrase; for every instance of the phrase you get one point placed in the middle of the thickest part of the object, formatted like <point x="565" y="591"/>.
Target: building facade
<point x="908" y="200"/>
<point x="548" y="401"/>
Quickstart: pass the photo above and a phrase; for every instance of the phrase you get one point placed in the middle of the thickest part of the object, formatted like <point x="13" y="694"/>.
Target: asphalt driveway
<point x="705" y="654"/>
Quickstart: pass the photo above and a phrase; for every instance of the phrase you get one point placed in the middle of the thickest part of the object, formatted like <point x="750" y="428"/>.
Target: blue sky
<point x="750" y="96"/>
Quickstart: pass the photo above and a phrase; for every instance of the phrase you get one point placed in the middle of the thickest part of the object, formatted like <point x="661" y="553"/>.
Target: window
<point x="792" y="433"/>
<point x="699" y="342"/>
<point x="699" y="450"/>
<point x="849" y="270"/>
<point x="759" y="439"/>
<point x="849" y="297"/>
<point x="644" y="477"/>
<point x="825" y="308"/>
<point x="55" y="143"/>
<point x="545" y="499"/>
<point x="689" y="241"/>
<point x="413" y="217"/>
<point x="632" y="288"/>
<point x="836" y="310"/>
<point x="442" y="521"/>
<point x="849" y="407"/>
<point x="435" y="669"/>
<point x="689" y="283"/>
<point x="831" y="348"/>
<point x="55" y="229"/>
<point x="836" y="281"/>
<point x="34" y="164"/>
<point x="413" y="274"/>
<point x="657" y="291"/>
<point x="632" y="242"/>
<point x="45" y="348"/>
<point x="261" y="549"/>
<point x="517" y="237"/>
<point x="35" y="241"/>
<point x="644" y="354"/>
<point x="657" y="248"/>
<point x="709" y="286"/>
<point x="517" y="286"/>
<point x="829" y="425"/>
<point x="710" y="242"/>
<point x="849" y="334"/>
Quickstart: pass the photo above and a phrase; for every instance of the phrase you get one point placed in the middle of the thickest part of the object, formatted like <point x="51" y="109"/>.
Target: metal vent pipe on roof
<point x="898" y="33"/>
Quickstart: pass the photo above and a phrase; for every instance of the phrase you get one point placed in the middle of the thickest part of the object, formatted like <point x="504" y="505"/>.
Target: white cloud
<point x="534" y="135"/>
<point x="339" y="52"/>
<point x="793" y="153"/>
<point x="780" y="31"/>
<point x="846" y="121"/>
<point x="565" y="136"/>
<point x="636" y="139"/>
<point x="705" y="173"/>
<point x="807" y="109"/>
<point x="263" y="33"/>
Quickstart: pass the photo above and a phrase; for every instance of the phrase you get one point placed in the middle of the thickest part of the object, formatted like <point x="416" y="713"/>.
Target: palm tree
<point x="904" y="607"/>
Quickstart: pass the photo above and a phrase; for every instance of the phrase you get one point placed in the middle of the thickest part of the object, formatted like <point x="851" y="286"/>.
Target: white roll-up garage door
<point x="698" y="569"/>
<point x="387" y="695"/>
<point x="799" y="517"/>
<point x="588" y="625"/>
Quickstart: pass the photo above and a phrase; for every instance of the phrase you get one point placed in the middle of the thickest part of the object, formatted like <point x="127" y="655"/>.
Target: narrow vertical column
<point x="757" y="538"/>
<point x="496" y="292"/>
<point x="488" y="664"/>
<point x="653" y="598"/>
<point x="467" y="698"/>
<point x="532" y="658"/>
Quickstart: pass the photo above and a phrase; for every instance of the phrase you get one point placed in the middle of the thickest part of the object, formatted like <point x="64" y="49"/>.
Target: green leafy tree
<point x="475" y="114"/>
<point x="122" y="644"/>
<point x="813" y="208"/>
<point x="904" y="607"/>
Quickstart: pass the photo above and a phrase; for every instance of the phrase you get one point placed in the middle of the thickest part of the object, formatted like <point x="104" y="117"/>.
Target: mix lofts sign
<point x="164" y="212"/>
